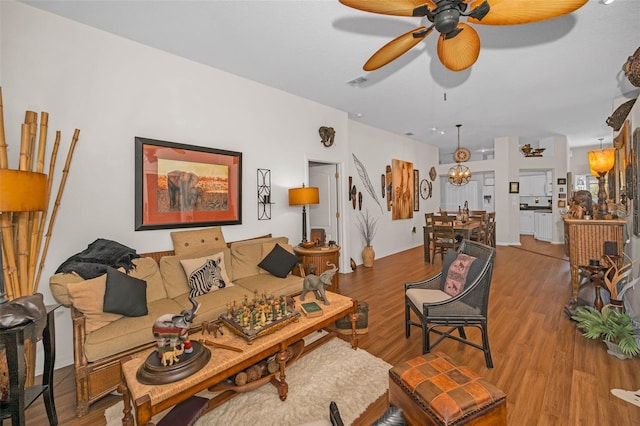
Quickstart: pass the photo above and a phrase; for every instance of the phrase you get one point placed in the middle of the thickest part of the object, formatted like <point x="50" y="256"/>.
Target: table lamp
<point x="302" y="197"/>
<point x="20" y="191"/>
<point x="601" y="161"/>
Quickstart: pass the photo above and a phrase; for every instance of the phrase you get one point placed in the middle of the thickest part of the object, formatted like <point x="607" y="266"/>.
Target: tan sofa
<point x="101" y="339"/>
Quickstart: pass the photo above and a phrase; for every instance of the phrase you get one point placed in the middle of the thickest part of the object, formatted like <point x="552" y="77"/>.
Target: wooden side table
<point x="19" y="397"/>
<point x="585" y="239"/>
<point x="319" y="256"/>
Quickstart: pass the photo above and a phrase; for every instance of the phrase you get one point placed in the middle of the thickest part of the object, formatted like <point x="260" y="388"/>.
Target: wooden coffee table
<point x="149" y="400"/>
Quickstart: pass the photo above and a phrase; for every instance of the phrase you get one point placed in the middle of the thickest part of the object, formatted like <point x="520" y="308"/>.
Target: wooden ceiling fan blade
<point x="512" y="12"/>
<point x="396" y="48"/>
<point x="460" y="52"/>
<point x="390" y="7"/>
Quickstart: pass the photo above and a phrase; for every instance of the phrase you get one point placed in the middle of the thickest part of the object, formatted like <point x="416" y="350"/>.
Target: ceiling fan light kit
<point x="459" y="43"/>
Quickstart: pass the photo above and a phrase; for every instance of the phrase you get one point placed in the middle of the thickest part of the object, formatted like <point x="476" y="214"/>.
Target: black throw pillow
<point x="125" y="295"/>
<point x="279" y="262"/>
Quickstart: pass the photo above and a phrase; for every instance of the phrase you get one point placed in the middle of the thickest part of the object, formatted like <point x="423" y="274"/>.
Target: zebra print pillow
<point x="206" y="274"/>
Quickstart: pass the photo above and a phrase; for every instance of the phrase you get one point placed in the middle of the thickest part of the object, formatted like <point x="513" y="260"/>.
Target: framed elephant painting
<point x="180" y="186"/>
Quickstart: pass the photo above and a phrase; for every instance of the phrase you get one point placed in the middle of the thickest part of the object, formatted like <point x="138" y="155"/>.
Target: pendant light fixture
<point x="460" y="174"/>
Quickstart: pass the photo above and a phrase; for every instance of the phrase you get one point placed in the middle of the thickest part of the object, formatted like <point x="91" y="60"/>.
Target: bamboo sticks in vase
<point x="24" y="203"/>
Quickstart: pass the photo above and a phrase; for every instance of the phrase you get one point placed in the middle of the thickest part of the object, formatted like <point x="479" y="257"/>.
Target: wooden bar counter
<point x="584" y="240"/>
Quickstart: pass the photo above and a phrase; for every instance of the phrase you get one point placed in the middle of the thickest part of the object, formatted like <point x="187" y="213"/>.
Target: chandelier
<point x="460" y="174"/>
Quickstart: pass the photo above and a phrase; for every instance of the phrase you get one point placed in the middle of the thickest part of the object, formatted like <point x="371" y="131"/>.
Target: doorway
<point x="325" y="214"/>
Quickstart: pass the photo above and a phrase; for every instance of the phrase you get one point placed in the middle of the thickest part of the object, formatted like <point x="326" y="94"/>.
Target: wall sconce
<point x="601" y="161"/>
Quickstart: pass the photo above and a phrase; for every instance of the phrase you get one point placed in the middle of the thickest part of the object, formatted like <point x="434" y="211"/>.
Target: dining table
<point x="463" y="229"/>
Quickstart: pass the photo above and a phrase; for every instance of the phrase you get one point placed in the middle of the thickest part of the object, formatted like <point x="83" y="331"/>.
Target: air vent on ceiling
<point x="357" y="81"/>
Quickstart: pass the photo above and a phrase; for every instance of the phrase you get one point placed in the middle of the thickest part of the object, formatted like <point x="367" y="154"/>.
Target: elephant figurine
<point x="317" y="284"/>
<point x="170" y="331"/>
<point x="171" y="357"/>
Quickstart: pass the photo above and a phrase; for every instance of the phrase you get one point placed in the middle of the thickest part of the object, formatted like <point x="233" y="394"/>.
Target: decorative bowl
<point x="308" y="244"/>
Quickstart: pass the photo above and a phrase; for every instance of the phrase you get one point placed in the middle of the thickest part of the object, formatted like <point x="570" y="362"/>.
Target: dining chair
<point x="491" y="229"/>
<point x="428" y="236"/>
<point x="480" y="233"/>
<point x="449" y="301"/>
<point x="444" y="235"/>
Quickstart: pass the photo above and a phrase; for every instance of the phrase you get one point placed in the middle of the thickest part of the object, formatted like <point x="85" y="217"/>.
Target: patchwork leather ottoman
<point x="433" y="389"/>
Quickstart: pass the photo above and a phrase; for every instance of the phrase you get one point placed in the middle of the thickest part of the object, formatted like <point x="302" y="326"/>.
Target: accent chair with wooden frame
<point x="436" y="309"/>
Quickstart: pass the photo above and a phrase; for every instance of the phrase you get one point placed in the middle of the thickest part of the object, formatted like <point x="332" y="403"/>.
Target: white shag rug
<point x="354" y="379"/>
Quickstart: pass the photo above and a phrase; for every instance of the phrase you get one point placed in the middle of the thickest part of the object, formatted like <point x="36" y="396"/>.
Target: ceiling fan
<point x="459" y="43"/>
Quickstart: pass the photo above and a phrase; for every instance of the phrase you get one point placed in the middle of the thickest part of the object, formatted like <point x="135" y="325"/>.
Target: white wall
<point x="376" y="153"/>
<point x="114" y="89"/>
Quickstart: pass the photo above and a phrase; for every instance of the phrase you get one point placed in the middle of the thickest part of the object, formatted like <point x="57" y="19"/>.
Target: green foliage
<point x="610" y="325"/>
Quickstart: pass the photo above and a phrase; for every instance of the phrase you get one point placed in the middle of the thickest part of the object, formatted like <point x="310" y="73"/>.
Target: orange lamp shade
<point x="303" y="196"/>
<point x="602" y="160"/>
<point x="22" y="191"/>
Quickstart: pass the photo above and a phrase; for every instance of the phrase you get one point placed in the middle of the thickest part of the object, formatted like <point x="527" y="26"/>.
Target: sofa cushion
<point x="245" y="256"/>
<point x="271" y="285"/>
<point x="174" y="277"/>
<point x="147" y="269"/>
<point x="58" y="286"/>
<point x="205" y="274"/>
<point x="125" y="295"/>
<point x="194" y="242"/>
<point x="268" y="247"/>
<point x="87" y="296"/>
<point x="127" y="332"/>
<point x="279" y="262"/>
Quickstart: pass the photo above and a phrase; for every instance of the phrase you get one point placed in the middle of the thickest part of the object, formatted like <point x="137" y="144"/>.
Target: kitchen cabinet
<point x="534" y="186"/>
<point x="526" y="222"/>
<point x="542" y="226"/>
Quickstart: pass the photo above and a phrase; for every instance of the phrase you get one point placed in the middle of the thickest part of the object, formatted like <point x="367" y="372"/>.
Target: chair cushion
<point x="418" y="296"/>
<point x="457" y="274"/>
<point x="472" y="273"/>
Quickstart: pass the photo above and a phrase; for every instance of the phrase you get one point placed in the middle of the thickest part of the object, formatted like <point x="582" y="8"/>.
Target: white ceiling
<point x="556" y="77"/>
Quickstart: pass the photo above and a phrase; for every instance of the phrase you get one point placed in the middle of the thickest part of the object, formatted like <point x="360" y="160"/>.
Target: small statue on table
<point x="172" y="336"/>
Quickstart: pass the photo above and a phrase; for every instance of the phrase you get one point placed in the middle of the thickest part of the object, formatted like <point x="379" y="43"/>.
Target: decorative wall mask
<point x="327" y="134"/>
<point x="616" y="119"/>
<point x="389" y="187"/>
<point x="632" y="68"/>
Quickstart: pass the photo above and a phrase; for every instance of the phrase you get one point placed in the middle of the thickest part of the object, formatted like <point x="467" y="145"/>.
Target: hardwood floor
<point x="550" y="373"/>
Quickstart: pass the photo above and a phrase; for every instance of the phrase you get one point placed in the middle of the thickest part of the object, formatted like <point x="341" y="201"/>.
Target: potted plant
<point x="367" y="227"/>
<point x="615" y="327"/>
